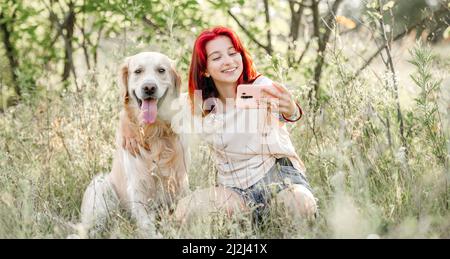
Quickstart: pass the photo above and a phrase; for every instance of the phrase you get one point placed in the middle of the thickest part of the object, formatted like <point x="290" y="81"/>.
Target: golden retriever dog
<point x="158" y="175"/>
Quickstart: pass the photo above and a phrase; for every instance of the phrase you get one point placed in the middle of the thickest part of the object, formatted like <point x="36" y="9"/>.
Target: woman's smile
<point x="229" y="70"/>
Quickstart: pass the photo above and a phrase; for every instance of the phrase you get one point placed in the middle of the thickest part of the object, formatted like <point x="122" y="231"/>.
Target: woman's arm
<point x="295" y="117"/>
<point x="129" y="137"/>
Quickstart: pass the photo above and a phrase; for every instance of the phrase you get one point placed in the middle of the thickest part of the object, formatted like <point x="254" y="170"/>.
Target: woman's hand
<point x="286" y="104"/>
<point x="129" y="138"/>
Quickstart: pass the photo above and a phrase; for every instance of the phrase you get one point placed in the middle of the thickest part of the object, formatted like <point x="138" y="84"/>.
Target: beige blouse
<point x="246" y="142"/>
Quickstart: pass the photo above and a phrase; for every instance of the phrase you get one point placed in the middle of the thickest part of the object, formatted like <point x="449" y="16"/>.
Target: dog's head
<point x="150" y="83"/>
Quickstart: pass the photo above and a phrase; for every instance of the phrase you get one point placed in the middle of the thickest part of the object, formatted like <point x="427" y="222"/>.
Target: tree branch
<point x="300" y="3"/>
<point x="304" y="52"/>
<point x="390" y="65"/>
<point x="397" y="37"/>
<point x="266" y="48"/>
<point x="150" y="23"/>
<point x="269" y="33"/>
<point x="330" y="22"/>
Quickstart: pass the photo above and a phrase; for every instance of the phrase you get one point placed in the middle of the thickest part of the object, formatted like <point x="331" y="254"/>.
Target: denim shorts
<point x="280" y="176"/>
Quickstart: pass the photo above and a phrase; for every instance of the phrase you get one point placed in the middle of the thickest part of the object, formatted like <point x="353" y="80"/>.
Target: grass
<point x="367" y="183"/>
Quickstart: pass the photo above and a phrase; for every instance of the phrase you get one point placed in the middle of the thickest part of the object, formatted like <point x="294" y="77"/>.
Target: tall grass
<point x="367" y="183"/>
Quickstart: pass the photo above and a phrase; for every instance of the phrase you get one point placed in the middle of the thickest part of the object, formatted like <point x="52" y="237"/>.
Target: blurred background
<point x="372" y="76"/>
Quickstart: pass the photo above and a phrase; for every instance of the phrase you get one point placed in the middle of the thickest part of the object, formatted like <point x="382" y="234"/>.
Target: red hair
<point x="197" y="79"/>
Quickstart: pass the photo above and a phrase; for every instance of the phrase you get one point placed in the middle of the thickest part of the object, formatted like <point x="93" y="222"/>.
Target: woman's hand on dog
<point x="129" y="139"/>
<point x="130" y="144"/>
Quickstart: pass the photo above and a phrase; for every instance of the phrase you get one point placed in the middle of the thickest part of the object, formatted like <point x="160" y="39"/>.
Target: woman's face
<point x="224" y="63"/>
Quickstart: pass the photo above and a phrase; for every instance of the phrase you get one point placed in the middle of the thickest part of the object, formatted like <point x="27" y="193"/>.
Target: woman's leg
<point x="298" y="201"/>
<point x="201" y="203"/>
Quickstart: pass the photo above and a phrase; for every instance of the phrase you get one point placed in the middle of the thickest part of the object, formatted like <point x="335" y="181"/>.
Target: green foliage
<point x="426" y="118"/>
<point x="21" y="33"/>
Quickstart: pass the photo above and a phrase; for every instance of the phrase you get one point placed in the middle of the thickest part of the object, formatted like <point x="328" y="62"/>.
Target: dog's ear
<point x="123" y="80"/>
<point x="176" y="79"/>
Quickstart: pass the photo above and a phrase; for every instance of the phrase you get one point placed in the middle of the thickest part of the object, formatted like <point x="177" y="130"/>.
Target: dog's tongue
<point x="149" y="110"/>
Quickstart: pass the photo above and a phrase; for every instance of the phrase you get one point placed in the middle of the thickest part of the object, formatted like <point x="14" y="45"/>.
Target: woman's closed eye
<point x="231" y="54"/>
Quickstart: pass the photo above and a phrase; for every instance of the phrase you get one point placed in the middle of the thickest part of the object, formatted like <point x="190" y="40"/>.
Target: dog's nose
<point x="149" y="89"/>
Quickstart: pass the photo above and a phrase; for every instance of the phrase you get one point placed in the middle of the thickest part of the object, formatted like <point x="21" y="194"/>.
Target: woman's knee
<point x="227" y="201"/>
<point x="206" y="201"/>
<point x="298" y="201"/>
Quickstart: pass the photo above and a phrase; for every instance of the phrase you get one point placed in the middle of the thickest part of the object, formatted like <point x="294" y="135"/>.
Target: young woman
<point x="256" y="165"/>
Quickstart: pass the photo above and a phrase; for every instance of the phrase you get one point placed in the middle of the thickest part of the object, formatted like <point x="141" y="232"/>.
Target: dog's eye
<point x="161" y="70"/>
<point x="138" y="71"/>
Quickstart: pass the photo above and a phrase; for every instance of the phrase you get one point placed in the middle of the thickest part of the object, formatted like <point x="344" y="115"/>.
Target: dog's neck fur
<point x="149" y="134"/>
<point x="159" y="140"/>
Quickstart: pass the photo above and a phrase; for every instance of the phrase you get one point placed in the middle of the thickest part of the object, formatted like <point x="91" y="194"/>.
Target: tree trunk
<point x="11" y="52"/>
<point x="86" y="42"/>
<point x="296" y="17"/>
<point x="322" y="41"/>
<point x="269" y="32"/>
<point x="68" y="40"/>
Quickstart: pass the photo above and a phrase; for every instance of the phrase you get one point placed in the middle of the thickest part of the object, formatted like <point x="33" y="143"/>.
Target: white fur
<point x="138" y="183"/>
<point x="99" y="202"/>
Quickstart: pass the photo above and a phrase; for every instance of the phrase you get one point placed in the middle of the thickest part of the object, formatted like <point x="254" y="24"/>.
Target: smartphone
<point x="249" y="96"/>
